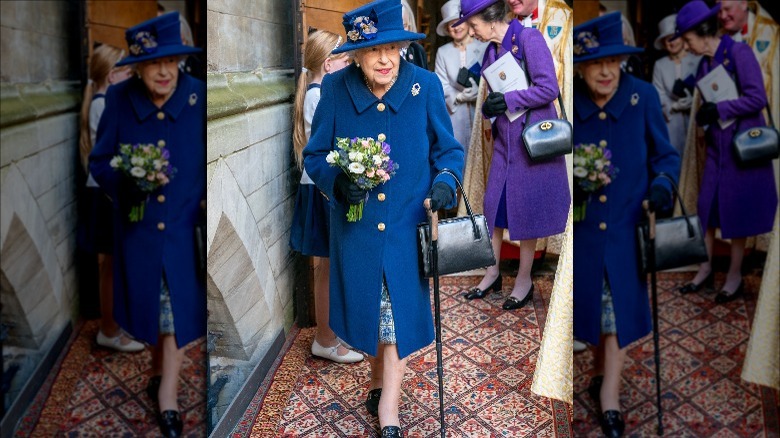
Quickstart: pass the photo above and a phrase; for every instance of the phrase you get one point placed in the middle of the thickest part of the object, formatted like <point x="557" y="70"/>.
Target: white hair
<point x="408" y="14"/>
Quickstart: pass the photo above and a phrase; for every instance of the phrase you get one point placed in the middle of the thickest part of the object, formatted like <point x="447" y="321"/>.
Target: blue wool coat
<point x="742" y="198"/>
<point x="632" y="126"/>
<point x="384" y="241"/>
<point x="163" y="239"/>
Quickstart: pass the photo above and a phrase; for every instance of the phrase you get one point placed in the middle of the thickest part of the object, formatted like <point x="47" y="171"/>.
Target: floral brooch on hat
<point x="144" y="43"/>
<point x="363" y="28"/>
<point x="585" y="43"/>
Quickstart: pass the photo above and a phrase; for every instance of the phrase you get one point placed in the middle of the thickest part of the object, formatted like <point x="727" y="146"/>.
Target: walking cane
<point x="654" y="298"/>
<point x="434" y="224"/>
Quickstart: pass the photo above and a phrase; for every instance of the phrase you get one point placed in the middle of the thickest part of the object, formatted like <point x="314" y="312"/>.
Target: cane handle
<point x="434" y="219"/>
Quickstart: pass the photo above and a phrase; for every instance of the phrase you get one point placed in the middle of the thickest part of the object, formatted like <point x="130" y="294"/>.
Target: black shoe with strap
<point x="709" y="282"/>
<point x="477" y="293"/>
<point x="170" y="424"/>
<point x="513" y="303"/>
<point x="612" y="424"/>
<point x="725" y="296"/>
<point x="372" y="401"/>
<point x="392" y="432"/>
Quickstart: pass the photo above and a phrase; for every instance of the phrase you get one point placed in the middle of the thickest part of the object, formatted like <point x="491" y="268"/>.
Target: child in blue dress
<point x="309" y="233"/>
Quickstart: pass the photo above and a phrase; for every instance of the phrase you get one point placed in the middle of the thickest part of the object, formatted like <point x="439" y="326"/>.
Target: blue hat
<point x="601" y="37"/>
<point x="692" y="14"/>
<point x="469" y="8"/>
<point x="374" y="24"/>
<point x="155" y="38"/>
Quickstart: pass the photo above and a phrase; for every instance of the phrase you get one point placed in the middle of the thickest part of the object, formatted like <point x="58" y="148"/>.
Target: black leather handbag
<point x="463" y="242"/>
<point x="678" y="240"/>
<point x="547" y="139"/>
<point x="757" y="145"/>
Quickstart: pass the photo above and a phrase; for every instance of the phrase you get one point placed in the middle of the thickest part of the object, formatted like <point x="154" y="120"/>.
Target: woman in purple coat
<point x="739" y="200"/>
<point x="529" y="199"/>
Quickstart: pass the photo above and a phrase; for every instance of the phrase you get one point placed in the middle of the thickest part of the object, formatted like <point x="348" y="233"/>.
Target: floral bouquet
<point x="593" y="170"/>
<point x="147" y="165"/>
<point x="366" y="162"/>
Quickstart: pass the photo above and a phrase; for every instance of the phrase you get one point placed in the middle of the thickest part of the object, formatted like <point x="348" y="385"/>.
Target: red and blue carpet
<point x="94" y="391"/>
<point x="702" y="348"/>
<point x="489" y="359"/>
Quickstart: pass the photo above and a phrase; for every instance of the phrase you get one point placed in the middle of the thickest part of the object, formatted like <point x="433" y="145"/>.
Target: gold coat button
<point x="160" y="115"/>
<point x="161" y="143"/>
<point x="603" y="198"/>
<point x="381" y="106"/>
<point x="160" y="198"/>
<point x="602" y="226"/>
<point x="380" y="226"/>
<point x="603" y="143"/>
<point x="381" y="197"/>
<point x="602" y="115"/>
<point x="160" y="226"/>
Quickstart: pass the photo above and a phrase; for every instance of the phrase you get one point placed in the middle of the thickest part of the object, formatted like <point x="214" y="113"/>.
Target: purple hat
<point x="692" y="14"/>
<point x="469" y="8"/>
<point x="601" y="37"/>
<point x="376" y="23"/>
<point x="156" y="38"/>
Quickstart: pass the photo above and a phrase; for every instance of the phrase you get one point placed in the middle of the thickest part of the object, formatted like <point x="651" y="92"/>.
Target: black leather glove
<point x="495" y="104"/>
<point x="660" y="199"/>
<point x="347" y="191"/>
<point x="440" y="194"/>
<point x="707" y="114"/>
<point x="679" y="87"/>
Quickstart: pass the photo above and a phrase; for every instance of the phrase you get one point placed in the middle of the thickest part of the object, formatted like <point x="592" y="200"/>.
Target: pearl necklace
<point x="387" y="87"/>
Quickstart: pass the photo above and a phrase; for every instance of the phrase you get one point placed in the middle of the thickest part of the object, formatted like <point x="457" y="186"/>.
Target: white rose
<point x="580" y="172"/>
<point x="359" y="156"/>
<point x="579" y="161"/>
<point x="356" y="168"/>
<point x="157" y="164"/>
<point x="115" y="162"/>
<point x="353" y="156"/>
<point x="331" y="157"/>
<point x="599" y="164"/>
<point x="137" y="172"/>
<point x="377" y="160"/>
<point x="137" y="161"/>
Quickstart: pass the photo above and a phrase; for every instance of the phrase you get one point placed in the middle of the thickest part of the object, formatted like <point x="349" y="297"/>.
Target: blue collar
<point x="144" y="107"/>
<point x="586" y="108"/>
<point x="363" y="99"/>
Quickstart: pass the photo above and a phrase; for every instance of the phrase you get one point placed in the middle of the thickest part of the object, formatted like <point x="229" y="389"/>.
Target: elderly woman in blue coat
<point x="379" y="302"/>
<point x="740" y="200"/>
<point x="530" y="199"/>
<point x="158" y="297"/>
<point x="623" y="113"/>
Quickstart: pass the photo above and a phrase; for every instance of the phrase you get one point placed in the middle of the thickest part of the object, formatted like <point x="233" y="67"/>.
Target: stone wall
<point x="251" y="183"/>
<point x="38" y="148"/>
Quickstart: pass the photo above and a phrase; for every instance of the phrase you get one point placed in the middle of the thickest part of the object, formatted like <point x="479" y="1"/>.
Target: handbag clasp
<point x="754" y="133"/>
<point x="545" y="126"/>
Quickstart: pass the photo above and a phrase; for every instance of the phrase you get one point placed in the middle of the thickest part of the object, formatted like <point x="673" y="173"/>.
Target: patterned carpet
<point x="98" y="392"/>
<point x="702" y="349"/>
<point x="489" y="359"/>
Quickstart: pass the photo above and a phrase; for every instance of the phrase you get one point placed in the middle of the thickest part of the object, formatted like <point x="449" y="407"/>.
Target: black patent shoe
<point x="513" y="303"/>
<point x="709" y="283"/>
<point x="392" y="432"/>
<point x="594" y="389"/>
<point x="372" y="401"/>
<point x="477" y="293"/>
<point x="725" y="296"/>
<point x="170" y="424"/>
<point x="153" y="388"/>
<point x="612" y="424"/>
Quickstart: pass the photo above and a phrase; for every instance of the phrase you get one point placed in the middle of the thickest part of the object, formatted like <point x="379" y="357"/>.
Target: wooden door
<point x="106" y="21"/>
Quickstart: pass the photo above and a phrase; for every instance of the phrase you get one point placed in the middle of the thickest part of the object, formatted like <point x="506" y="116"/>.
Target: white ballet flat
<point x="332" y="353"/>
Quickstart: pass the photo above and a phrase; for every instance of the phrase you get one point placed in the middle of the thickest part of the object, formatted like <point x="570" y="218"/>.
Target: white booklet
<point x="506" y="75"/>
<point x="718" y="86"/>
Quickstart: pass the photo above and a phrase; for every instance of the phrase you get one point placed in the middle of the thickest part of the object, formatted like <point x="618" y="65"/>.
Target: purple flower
<point x="165" y="153"/>
<point x="385" y="148"/>
<point x="607" y="153"/>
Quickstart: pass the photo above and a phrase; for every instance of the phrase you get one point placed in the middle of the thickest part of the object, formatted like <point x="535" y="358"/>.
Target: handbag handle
<point x="676" y="193"/>
<point x="477" y="234"/>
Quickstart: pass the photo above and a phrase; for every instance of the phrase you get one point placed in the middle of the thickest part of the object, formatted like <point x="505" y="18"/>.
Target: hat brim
<point x="713" y="12"/>
<point x="161" y="52"/>
<point x="441" y="29"/>
<point x="386" y="37"/>
<point x="659" y="42"/>
<point x="475" y="12"/>
<point x="608" y="51"/>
